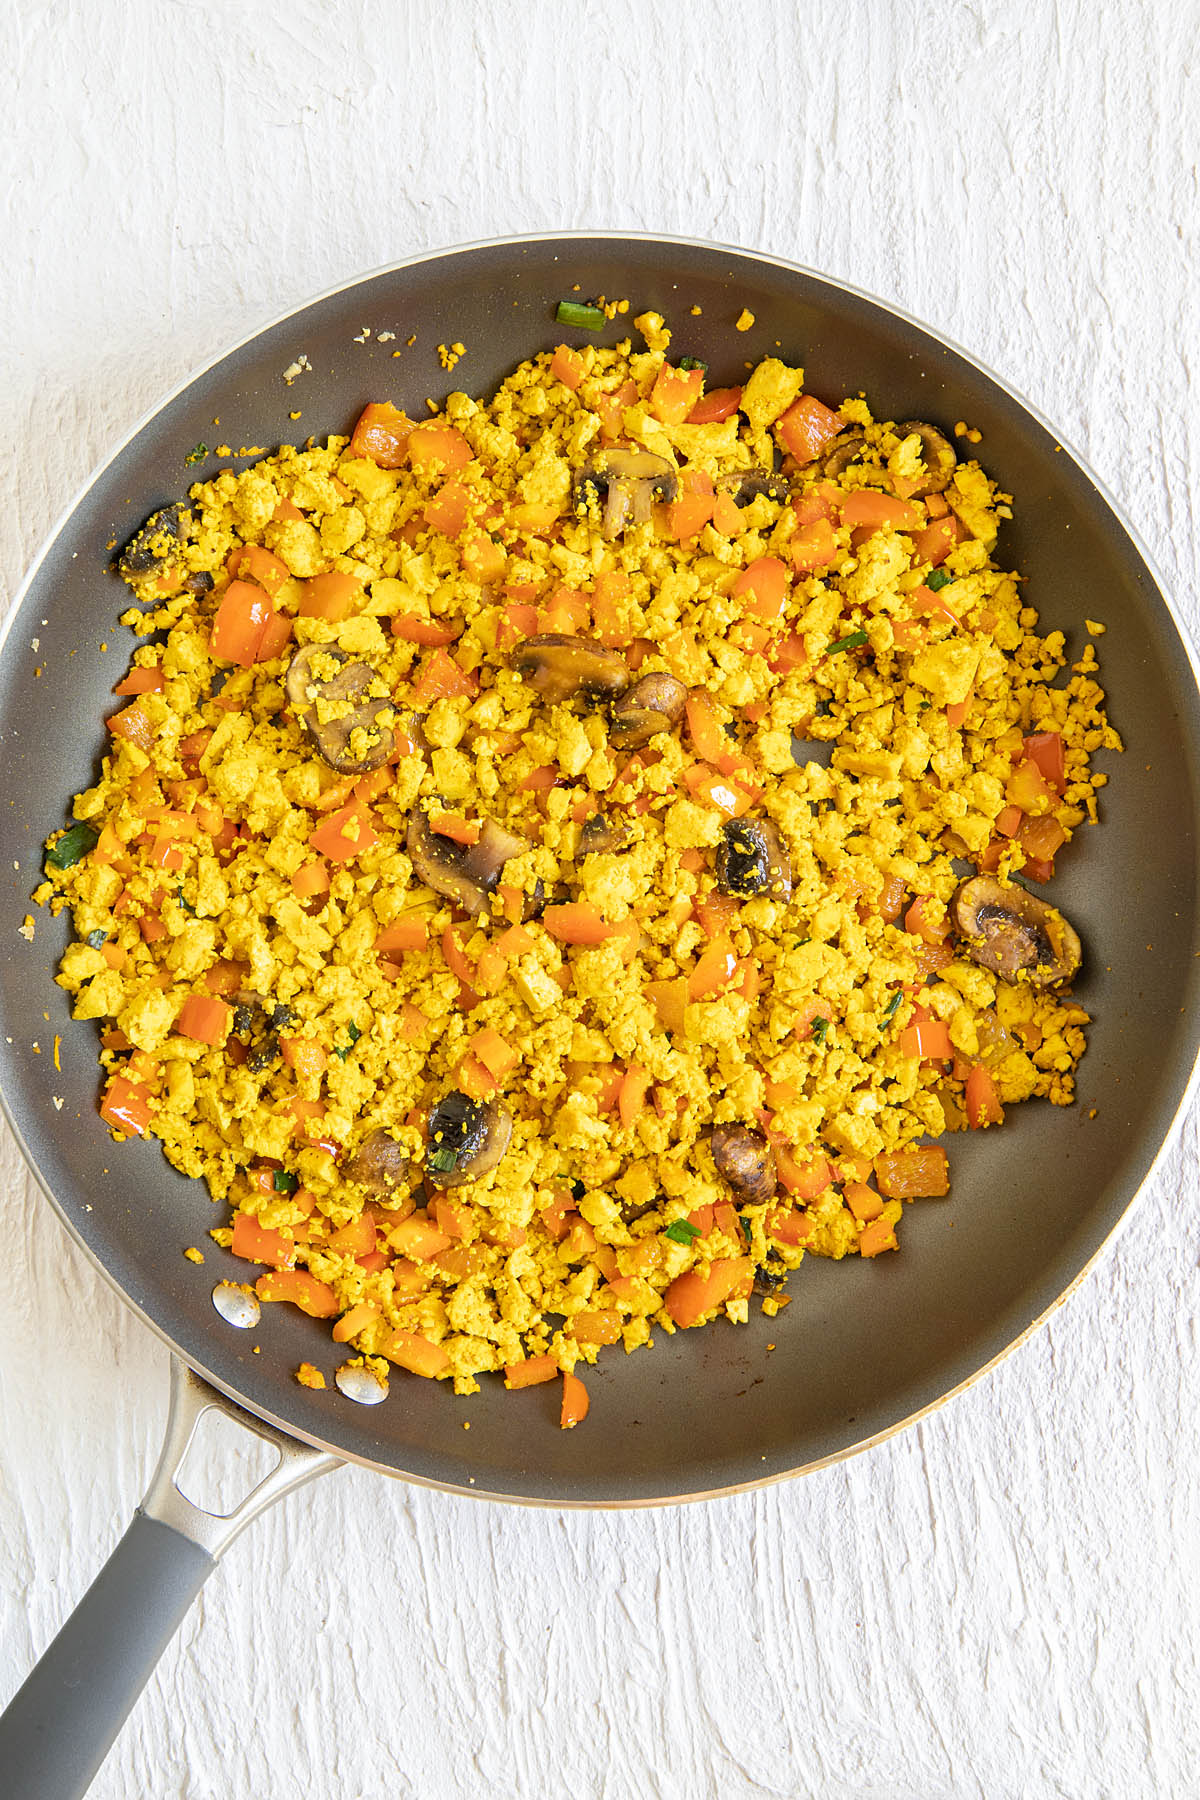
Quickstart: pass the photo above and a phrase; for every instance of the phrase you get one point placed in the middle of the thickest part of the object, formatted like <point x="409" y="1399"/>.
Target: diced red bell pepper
<point x="717" y="404"/>
<point x="382" y="435"/>
<point x="807" y="427"/>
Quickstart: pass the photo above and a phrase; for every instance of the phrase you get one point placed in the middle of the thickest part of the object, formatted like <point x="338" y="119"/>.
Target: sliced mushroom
<point x="846" y="449"/>
<point x="466" y="1139"/>
<point x="357" y="737"/>
<point x="746" y="1160"/>
<point x="151" y="550"/>
<point x="560" y="667"/>
<point x="752" y="860"/>
<point x="1014" y="934"/>
<point x="653" y="704"/>
<point x="750" y="483"/>
<point x="602" y="836"/>
<point x="380" y="1165"/>
<point x="628" y="482"/>
<point x="937" y="453"/>
<point x="464" y="873"/>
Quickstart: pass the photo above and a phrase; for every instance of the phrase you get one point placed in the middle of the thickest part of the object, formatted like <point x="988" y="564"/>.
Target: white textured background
<point x="1004" y="1602"/>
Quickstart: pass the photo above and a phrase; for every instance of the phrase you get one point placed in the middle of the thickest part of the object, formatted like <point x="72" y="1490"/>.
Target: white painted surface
<point x="1004" y="1602"/>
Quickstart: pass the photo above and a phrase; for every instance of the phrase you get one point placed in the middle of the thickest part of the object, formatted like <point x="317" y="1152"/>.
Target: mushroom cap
<point x="463" y="873"/>
<point x="747" y="1162"/>
<point x="1014" y="934"/>
<point x="602" y="836"/>
<point x="845" y="449"/>
<point x="747" y="484"/>
<point x="751" y="860"/>
<point x="334" y="738"/>
<point x="379" y="1164"/>
<point x="654" y="703"/>
<point x="559" y="666"/>
<point x="150" y="548"/>
<point x="475" y="1133"/>
<point x="937" y="453"/>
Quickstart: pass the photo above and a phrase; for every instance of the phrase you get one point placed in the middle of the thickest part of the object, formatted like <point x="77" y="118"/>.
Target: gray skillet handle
<point x="58" y="1727"/>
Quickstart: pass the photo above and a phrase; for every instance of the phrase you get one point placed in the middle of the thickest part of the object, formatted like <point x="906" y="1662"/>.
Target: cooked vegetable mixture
<point x="561" y="860"/>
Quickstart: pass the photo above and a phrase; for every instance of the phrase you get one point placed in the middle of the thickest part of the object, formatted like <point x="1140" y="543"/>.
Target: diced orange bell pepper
<point x="204" y="1018"/>
<point x="416" y="1354"/>
<point x="669" y="1000"/>
<point x="921" y="1173"/>
<point x="631" y="1097"/>
<point x="133" y="725"/>
<point x="483" y="559"/>
<point x="332" y="596"/>
<point x="574" y="1402"/>
<point x="412" y="629"/>
<point x="449" y="509"/>
<point x="531" y="1372"/>
<point x="806" y="427"/>
<point x="240" y="622"/>
<point x="262" y="1243"/>
<point x="694" y="1294"/>
<point x="601" y="1325"/>
<point x="867" y="506"/>
<point x="567" y="366"/>
<point x="494" y="1053"/>
<point x="879" y="1235"/>
<point x="983" y="1103"/>
<point x="441" y="678"/>
<point x="926" y="1041"/>
<point x="1045" y="749"/>
<point x="675" y="393"/>
<point x="381" y="434"/>
<point x="813" y="547"/>
<point x="141" y="680"/>
<point x="432" y="447"/>
<point x="354" y="1321"/>
<point x="862" y="1200"/>
<point x="344" y="834"/>
<point x="713" y="970"/>
<point x="252" y="562"/>
<point x="763" y="586"/>
<point x="308" y="1058"/>
<point x="687" y="515"/>
<point x="314" y="1297"/>
<point x="125" y="1106"/>
<point x="577" y="922"/>
<point x="717" y="404"/>
<point x="409" y="932"/>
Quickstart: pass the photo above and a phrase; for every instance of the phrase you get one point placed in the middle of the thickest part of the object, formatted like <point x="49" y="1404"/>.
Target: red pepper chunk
<point x="344" y="834"/>
<point x="125" y="1106"/>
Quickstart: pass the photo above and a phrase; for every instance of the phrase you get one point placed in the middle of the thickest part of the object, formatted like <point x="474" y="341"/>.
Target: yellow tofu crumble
<point x="525" y="880"/>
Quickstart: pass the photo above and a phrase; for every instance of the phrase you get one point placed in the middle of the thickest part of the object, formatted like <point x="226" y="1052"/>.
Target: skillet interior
<point x="863" y="1346"/>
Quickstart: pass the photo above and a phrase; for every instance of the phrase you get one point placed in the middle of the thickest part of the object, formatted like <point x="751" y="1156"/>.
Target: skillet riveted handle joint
<point x="58" y="1727"/>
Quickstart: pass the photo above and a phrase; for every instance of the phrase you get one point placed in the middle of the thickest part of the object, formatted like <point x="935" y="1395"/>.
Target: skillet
<point x="864" y="1346"/>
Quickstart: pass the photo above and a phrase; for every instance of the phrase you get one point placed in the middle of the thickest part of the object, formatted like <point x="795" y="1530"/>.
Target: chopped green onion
<point x="578" y="1190"/>
<point x="820" y="1031"/>
<point x="681" y="1232"/>
<point x="692" y="362"/>
<point x="854" y="642"/>
<point x="441" y="1161"/>
<point x="353" y="1033"/>
<point x="587" y="318"/>
<point x="97" y="939"/>
<point x="285" y="1182"/>
<point x="73" y="845"/>
<point x="893" y="1006"/>
<point x="196" y="455"/>
<point x="937" y="579"/>
<point x="186" y="904"/>
<point x="745" y="1225"/>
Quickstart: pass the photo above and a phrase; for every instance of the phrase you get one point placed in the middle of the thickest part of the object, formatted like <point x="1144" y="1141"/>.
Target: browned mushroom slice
<point x="628" y="482"/>
<point x="652" y="704"/>
<point x="1014" y="934"/>
<point x="746" y="1160"/>
<point x="602" y="836"/>
<point x="152" y="549"/>
<point x="845" y="450"/>
<point x="750" y="483"/>
<point x="560" y="667"/>
<point x="464" y="873"/>
<point x="380" y="1165"/>
<point x="751" y="860"/>
<point x="347" y="723"/>
<point x="467" y="1138"/>
<point x="937" y="453"/>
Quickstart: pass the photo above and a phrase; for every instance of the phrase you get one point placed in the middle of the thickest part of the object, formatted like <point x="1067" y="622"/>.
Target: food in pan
<point x="561" y="860"/>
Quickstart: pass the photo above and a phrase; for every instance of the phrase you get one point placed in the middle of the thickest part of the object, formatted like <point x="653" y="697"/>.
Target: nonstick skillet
<point x="864" y="1346"/>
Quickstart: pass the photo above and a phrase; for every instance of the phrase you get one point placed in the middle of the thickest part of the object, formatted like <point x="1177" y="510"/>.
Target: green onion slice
<point x="587" y="318"/>
<point x="681" y="1232"/>
<point x="285" y="1182"/>
<point x="855" y="641"/>
<point x="73" y="845"/>
<point x="937" y="579"/>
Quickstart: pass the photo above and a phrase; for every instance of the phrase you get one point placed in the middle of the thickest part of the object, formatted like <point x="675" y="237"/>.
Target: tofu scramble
<point x="554" y="865"/>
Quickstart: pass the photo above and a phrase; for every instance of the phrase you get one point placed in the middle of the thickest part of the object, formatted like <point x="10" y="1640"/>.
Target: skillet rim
<point x="1192" y="657"/>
